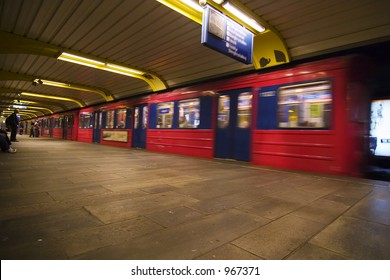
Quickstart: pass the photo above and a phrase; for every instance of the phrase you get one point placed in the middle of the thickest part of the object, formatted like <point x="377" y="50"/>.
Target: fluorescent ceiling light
<point x="54" y="84"/>
<point x="241" y="15"/>
<point x="100" y="65"/>
<point x="24" y="102"/>
<point x="80" y="60"/>
<point x="193" y="5"/>
<point x="121" y="69"/>
<point x="218" y="1"/>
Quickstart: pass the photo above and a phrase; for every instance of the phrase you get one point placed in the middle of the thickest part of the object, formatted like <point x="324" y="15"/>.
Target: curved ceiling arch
<point x="12" y="43"/>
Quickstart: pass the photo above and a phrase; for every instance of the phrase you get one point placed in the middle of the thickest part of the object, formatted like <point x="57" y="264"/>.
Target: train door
<point x="140" y="125"/>
<point x="233" y="131"/>
<point x="64" y="125"/>
<point x="51" y="127"/>
<point x="67" y="127"/>
<point x="97" y="125"/>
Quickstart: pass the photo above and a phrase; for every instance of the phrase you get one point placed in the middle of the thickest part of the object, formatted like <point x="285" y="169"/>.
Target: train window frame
<point x="189" y="113"/>
<point x="110" y="119"/>
<point x="223" y="111"/>
<point x="121" y="118"/>
<point x="165" y="115"/>
<point x="86" y="120"/>
<point x="244" y="109"/>
<point x="315" y="97"/>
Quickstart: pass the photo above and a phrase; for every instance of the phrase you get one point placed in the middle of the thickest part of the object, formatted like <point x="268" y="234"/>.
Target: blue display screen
<point x="226" y="36"/>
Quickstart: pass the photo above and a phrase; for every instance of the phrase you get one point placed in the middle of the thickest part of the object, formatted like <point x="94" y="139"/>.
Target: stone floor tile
<point x="174" y="216"/>
<point x="92" y="238"/>
<point x="78" y="192"/>
<point x="279" y="238"/>
<point x="24" y="199"/>
<point x="222" y="203"/>
<point x="312" y="252"/>
<point x="372" y="209"/>
<point x="120" y="210"/>
<point x="321" y="211"/>
<point x="159" y="188"/>
<point x="297" y="196"/>
<point x="228" y="252"/>
<point x="355" y="239"/>
<point x="270" y="207"/>
<point x="185" y="241"/>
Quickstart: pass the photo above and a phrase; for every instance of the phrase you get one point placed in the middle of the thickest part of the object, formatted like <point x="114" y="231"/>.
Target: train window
<point x="244" y="109"/>
<point x="136" y="117"/>
<point x="85" y="120"/>
<point x="144" y="117"/>
<point x="305" y="105"/>
<point x="121" y="118"/>
<point x="110" y="119"/>
<point x="223" y="111"/>
<point x="56" y="123"/>
<point x="165" y="115"/>
<point x="189" y="116"/>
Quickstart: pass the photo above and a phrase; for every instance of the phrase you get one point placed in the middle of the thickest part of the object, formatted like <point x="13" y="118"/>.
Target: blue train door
<point x="140" y="125"/>
<point x="233" y="131"/>
<point x="97" y="125"/>
<point x="64" y="125"/>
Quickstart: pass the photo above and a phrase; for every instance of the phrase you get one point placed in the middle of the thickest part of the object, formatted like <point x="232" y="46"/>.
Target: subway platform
<point x="70" y="200"/>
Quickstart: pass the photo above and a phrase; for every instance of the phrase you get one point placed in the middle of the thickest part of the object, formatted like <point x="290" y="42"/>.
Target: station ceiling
<point x="151" y="37"/>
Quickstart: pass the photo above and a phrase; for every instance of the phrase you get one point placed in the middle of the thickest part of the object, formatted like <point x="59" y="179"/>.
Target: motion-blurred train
<point x="313" y="117"/>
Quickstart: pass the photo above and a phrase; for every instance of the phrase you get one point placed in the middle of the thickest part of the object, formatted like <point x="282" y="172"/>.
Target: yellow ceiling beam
<point x="39" y="95"/>
<point x="11" y="43"/>
<point x="106" y="96"/>
<point x="155" y="82"/>
<point x="16" y="100"/>
<point x="10" y="76"/>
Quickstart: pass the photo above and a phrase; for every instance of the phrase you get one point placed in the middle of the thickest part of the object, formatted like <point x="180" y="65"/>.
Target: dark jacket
<point x="12" y="120"/>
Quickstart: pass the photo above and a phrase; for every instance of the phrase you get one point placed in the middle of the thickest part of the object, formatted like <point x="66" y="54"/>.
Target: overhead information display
<point x="226" y="36"/>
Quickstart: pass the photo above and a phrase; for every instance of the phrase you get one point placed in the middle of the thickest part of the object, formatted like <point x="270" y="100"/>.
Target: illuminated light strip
<point x="122" y="69"/>
<point x="53" y="97"/>
<point x="100" y="65"/>
<point x="193" y="5"/>
<point x="190" y="9"/>
<point x="182" y="8"/>
<point x="54" y="84"/>
<point x="152" y="80"/>
<point x="245" y="18"/>
<point x="25" y="102"/>
<point x="80" y="60"/>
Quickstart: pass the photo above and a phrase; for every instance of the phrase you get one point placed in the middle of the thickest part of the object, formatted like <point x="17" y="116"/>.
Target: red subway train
<point x="313" y="117"/>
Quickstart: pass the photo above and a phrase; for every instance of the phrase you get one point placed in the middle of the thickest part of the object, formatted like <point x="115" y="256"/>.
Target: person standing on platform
<point x="12" y="123"/>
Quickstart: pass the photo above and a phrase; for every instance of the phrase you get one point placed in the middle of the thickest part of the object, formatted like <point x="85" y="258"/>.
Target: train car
<point x="121" y="123"/>
<point x="60" y="126"/>
<point x="181" y="122"/>
<point x="311" y="117"/>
